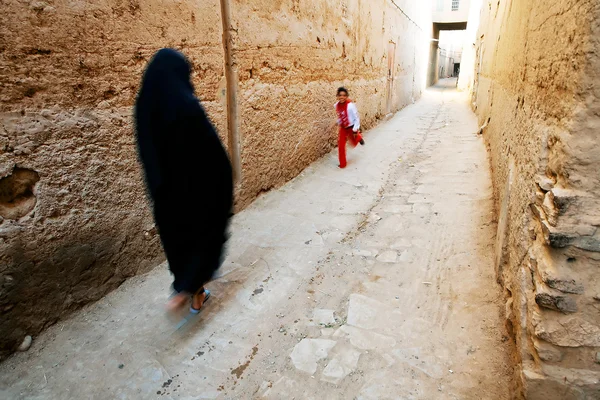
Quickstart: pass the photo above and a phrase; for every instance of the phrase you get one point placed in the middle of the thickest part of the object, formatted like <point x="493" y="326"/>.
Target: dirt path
<point x="373" y="282"/>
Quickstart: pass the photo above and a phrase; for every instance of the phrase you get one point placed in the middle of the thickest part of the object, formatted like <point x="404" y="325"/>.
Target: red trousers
<point x="346" y="134"/>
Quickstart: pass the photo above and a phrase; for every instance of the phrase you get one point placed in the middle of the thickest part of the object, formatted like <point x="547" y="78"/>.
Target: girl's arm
<point x="353" y="114"/>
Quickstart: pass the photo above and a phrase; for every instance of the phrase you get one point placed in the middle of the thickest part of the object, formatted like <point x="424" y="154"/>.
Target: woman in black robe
<point x="188" y="175"/>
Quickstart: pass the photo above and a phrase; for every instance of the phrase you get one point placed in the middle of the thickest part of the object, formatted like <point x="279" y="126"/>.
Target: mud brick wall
<point x="536" y="97"/>
<point x="292" y="55"/>
<point x="74" y="217"/>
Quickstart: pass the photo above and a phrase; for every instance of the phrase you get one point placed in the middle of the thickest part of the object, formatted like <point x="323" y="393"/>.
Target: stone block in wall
<point x="563" y="198"/>
<point x="570" y="231"/>
<point x="537" y="211"/>
<point x="539" y="196"/>
<point x="546" y="351"/>
<point x="553" y="299"/>
<point x="557" y="276"/>
<point x="565" y="330"/>
<point x="584" y="237"/>
<point x="556" y="383"/>
<point x="550" y="209"/>
<point x="555" y="237"/>
<point x="588" y="382"/>
<point x="589" y="243"/>
<point x="545" y="183"/>
<point x="539" y="387"/>
<point x="576" y="206"/>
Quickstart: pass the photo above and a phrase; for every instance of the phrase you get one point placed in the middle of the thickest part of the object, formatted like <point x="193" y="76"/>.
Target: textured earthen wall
<point x="291" y="57"/>
<point x="74" y="218"/>
<point x="69" y="73"/>
<point x="537" y="100"/>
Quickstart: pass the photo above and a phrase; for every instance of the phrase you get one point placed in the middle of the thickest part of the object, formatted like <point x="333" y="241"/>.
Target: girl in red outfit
<point x="349" y="124"/>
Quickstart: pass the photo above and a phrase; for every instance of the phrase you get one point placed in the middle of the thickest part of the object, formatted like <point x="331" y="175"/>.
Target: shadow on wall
<point x="85" y="265"/>
<point x="67" y="280"/>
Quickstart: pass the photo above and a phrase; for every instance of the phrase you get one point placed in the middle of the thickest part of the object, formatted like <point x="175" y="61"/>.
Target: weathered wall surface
<point x="74" y="219"/>
<point x="291" y="57"/>
<point x="69" y="73"/>
<point x="537" y="101"/>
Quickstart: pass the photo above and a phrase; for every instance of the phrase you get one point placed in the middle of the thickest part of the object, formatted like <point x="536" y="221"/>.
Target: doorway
<point x="440" y="54"/>
<point x="456" y="70"/>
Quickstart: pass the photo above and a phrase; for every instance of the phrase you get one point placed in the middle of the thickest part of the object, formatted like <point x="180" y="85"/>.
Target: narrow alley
<point x="373" y="282"/>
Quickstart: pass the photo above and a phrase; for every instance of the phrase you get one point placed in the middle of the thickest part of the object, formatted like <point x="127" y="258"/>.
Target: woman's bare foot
<point x="198" y="299"/>
<point x="177" y="302"/>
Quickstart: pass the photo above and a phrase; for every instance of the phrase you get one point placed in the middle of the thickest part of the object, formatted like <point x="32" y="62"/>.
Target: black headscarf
<point x="166" y="95"/>
<point x="187" y="170"/>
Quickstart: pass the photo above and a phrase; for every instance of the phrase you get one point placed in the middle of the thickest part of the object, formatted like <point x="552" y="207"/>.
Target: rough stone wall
<point x="75" y="221"/>
<point x="291" y="57"/>
<point x="536" y="97"/>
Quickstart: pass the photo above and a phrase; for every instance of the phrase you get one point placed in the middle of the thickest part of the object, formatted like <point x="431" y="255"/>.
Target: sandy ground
<point x="373" y="282"/>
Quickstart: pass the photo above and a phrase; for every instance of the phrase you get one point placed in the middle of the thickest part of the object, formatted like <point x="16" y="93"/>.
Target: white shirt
<point x="352" y="116"/>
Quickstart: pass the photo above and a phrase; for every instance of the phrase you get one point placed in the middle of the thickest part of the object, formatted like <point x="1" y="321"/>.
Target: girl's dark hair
<point x="342" y="89"/>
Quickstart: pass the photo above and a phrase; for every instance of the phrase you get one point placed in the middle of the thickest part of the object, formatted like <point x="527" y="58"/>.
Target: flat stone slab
<point x="367" y="313"/>
<point x="309" y="352"/>
<point x="323" y="317"/>
<point x="341" y="366"/>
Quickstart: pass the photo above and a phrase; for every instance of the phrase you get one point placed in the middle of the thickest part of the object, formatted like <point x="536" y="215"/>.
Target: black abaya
<point x="187" y="171"/>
